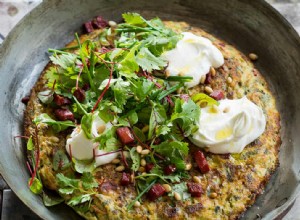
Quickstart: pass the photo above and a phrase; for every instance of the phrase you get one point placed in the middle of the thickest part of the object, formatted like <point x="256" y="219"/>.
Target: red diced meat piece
<point x="156" y="191"/>
<point x="99" y="22"/>
<point x="194" y="189"/>
<point x="88" y="26"/>
<point x="79" y="94"/>
<point x="125" y="135"/>
<point x="60" y="100"/>
<point x="149" y="167"/>
<point x="217" y="95"/>
<point x="64" y="114"/>
<point x="169" y="169"/>
<point x="201" y="161"/>
<point x="125" y="180"/>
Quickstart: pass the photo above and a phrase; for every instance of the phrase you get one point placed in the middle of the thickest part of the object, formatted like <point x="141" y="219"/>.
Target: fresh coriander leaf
<point x="108" y="141"/>
<point x="64" y="181"/>
<point x="46" y="96"/>
<point x="157" y="117"/>
<point x="56" y="125"/>
<point x="200" y="98"/>
<point x="36" y="187"/>
<point x="79" y="199"/>
<point x="128" y="66"/>
<point x="135" y="157"/>
<point x="65" y="60"/>
<point x="138" y="132"/>
<point x="134" y="19"/>
<point x="148" y="61"/>
<point x="60" y="160"/>
<point x="66" y="191"/>
<point x="30" y="145"/>
<point x="86" y="125"/>
<point x="82" y="166"/>
<point x="49" y="199"/>
<point x="88" y="181"/>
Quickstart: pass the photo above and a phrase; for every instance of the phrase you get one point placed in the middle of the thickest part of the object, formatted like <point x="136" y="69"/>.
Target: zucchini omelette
<point x="151" y="120"/>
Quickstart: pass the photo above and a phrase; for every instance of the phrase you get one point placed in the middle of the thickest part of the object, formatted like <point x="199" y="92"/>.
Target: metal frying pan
<point x="253" y="26"/>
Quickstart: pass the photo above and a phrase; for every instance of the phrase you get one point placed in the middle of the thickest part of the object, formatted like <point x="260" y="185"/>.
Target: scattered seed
<point x="141" y="169"/>
<point x="212" y="71"/>
<point x="229" y="80"/>
<point x="132" y="177"/>
<point x="145" y="152"/>
<point x="226" y="110"/>
<point x="253" y="56"/>
<point x="213" y="195"/>
<point x="139" y="149"/>
<point x="196" y="179"/>
<point x="115" y="161"/>
<point x="120" y="168"/>
<point x="144" y="173"/>
<point x="202" y="79"/>
<point x="101" y="129"/>
<point x="208" y="89"/>
<point x="188" y="166"/>
<point x="112" y="23"/>
<point x="143" y="162"/>
<point x="167" y="187"/>
<point x="177" y="196"/>
<point x="214" y="109"/>
<point x="54" y="139"/>
<point x="137" y="204"/>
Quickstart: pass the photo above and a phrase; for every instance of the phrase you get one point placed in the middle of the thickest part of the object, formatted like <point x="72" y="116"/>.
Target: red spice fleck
<point x="169" y="169"/>
<point x="125" y="180"/>
<point x="201" y="161"/>
<point x="156" y="191"/>
<point x="125" y="135"/>
<point x="194" y="189"/>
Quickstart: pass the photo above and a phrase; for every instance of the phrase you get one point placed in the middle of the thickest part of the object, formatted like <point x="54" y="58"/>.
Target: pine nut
<point x="120" y="168"/>
<point x="112" y="23"/>
<point x="188" y="166"/>
<point x="139" y="149"/>
<point x="145" y="152"/>
<point x="202" y="79"/>
<point x="132" y="177"/>
<point x="141" y="169"/>
<point x="137" y="204"/>
<point x="208" y="89"/>
<point x="196" y="179"/>
<point x="213" y="195"/>
<point x="115" y="161"/>
<point x="177" y="196"/>
<point x="167" y="187"/>
<point x="212" y="71"/>
<point x="214" y="109"/>
<point x="101" y="129"/>
<point x="229" y="80"/>
<point x="226" y="110"/>
<point x="143" y="162"/>
<point x="253" y="56"/>
<point x="54" y="139"/>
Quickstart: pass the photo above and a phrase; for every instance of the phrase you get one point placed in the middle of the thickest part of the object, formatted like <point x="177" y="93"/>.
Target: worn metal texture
<point x="252" y="26"/>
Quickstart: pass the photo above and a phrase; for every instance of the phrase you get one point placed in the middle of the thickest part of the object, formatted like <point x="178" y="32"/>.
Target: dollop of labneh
<point x="229" y="127"/>
<point x="82" y="147"/>
<point x="193" y="56"/>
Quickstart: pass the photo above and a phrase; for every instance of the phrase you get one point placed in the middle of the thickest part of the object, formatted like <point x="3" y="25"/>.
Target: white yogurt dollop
<point x="193" y="56"/>
<point x="82" y="147"/>
<point x="229" y="127"/>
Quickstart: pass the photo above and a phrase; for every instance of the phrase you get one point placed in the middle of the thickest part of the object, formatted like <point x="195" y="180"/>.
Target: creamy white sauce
<point x="229" y="127"/>
<point x="82" y="148"/>
<point x="193" y="56"/>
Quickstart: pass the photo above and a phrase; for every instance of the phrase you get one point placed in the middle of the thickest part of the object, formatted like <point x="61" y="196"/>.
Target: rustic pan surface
<point x="249" y="25"/>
